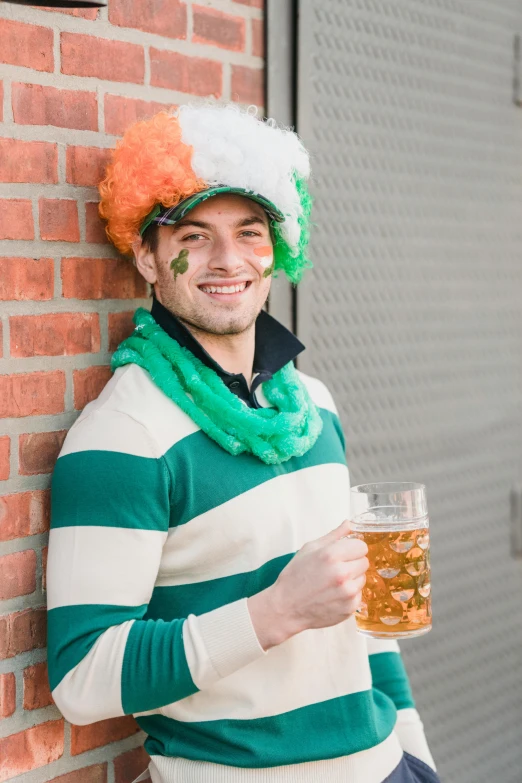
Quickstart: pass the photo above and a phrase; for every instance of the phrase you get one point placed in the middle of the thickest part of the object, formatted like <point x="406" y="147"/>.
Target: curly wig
<point x="164" y="160"/>
<point x="150" y="165"/>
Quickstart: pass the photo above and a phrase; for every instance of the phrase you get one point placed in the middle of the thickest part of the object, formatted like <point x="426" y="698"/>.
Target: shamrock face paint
<point x="179" y="265"/>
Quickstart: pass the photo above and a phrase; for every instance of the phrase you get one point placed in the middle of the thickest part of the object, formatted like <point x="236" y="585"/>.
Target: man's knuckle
<point x="339" y="578"/>
<point x="327" y="556"/>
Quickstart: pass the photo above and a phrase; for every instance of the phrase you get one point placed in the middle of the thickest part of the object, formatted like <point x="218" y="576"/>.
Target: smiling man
<point x="201" y="575"/>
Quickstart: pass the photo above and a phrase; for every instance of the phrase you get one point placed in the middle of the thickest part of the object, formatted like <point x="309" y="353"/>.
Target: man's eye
<point x="193" y="237"/>
<point x="250" y="233"/>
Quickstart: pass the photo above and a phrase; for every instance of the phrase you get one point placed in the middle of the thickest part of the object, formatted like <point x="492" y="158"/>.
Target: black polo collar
<point x="275" y="346"/>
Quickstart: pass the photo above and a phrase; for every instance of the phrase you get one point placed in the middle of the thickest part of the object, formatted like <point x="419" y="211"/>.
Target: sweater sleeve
<point x="110" y="515"/>
<point x="389" y="676"/>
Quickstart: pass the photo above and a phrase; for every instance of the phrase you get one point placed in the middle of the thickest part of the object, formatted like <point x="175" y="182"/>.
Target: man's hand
<point x="320" y="586"/>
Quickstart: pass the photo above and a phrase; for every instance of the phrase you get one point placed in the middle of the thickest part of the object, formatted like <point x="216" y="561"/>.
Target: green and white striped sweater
<point x="158" y="538"/>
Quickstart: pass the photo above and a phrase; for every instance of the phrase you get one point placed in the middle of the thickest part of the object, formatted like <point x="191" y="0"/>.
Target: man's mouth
<point x="227" y="292"/>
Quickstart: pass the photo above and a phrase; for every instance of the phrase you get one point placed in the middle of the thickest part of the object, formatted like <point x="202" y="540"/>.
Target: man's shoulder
<point x="131" y="415"/>
<point x="319" y="392"/>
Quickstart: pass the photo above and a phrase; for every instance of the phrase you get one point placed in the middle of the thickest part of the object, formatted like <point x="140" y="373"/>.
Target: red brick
<point x="121" y="112"/>
<point x="258" y="38"/>
<point x="45" y="552"/>
<point x="5" y="452"/>
<point x="121" y="326"/>
<point x="94" y="225"/>
<point x="32" y="394"/>
<point x="28" y="161"/>
<point x="251" y="3"/>
<point x="24" y="514"/>
<point x="194" y="75"/>
<point x="17" y="574"/>
<point x="86" y="55"/>
<point x="7" y="695"/>
<point x="27" y="45"/>
<point x="56" y="334"/>
<point x="101" y="278"/>
<point x="26" y="278"/>
<point x="248" y="85"/>
<point x="88" y="384"/>
<point x="163" y="17"/>
<point x="84" y="13"/>
<point x="131" y="764"/>
<point x="38" y="451"/>
<point x="86" y="165"/>
<point x="95" y="774"/>
<point x="218" y="28"/>
<point x="101" y="733"/>
<point x="59" y="219"/>
<point x="16" y="219"/>
<point x="36" y="687"/>
<point x="21" y="632"/>
<point x="32" y="748"/>
<point x="34" y="104"/>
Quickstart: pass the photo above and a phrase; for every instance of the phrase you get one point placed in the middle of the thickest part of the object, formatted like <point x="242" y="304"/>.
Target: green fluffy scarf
<point x="276" y="434"/>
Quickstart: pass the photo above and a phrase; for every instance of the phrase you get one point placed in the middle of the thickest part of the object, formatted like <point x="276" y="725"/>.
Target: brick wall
<point x="70" y="81"/>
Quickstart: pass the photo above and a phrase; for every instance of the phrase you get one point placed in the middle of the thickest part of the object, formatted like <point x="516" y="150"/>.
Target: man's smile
<point x="230" y="292"/>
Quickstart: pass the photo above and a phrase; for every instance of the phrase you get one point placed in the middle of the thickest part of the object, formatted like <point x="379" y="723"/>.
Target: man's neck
<point x="233" y="352"/>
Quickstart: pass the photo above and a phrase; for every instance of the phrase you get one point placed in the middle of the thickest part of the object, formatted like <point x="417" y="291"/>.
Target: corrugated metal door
<point x="413" y="316"/>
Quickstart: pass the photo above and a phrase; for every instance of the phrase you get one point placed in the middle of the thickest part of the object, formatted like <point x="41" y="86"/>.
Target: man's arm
<point x="110" y="518"/>
<point x="389" y="676"/>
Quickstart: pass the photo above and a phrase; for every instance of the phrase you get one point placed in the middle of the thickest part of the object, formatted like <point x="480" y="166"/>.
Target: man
<point x="201" y="575"/>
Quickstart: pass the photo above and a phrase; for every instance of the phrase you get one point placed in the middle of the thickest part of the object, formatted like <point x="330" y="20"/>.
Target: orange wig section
<point x="150" y="165"/>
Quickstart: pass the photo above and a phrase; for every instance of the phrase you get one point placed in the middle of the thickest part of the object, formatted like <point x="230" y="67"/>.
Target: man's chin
<point x="221" y="326"/>
<point x="222" y="330"/>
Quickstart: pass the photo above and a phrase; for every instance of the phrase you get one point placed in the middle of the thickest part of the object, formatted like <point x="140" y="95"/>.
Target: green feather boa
<point x="288" y="429"/>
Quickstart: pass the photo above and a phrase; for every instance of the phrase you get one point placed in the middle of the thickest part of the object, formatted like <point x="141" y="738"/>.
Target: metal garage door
<point x="413" y="315"/>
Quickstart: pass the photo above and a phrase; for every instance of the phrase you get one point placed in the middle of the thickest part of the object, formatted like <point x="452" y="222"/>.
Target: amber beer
<point x="396" y="600"/>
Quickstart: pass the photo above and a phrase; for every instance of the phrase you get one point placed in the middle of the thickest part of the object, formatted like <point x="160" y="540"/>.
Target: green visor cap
<point x="168" y="216"/>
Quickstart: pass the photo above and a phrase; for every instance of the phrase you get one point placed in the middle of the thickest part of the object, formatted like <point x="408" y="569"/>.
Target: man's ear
<point x="145" y="261"/>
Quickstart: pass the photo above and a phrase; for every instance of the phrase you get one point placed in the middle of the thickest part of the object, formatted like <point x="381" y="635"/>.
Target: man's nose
<point x="226" y="255"/>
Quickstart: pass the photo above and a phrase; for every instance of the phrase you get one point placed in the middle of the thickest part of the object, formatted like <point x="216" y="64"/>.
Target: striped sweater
<point x="158" y="537"/>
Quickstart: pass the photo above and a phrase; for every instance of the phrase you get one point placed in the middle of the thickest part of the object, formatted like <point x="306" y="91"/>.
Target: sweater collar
<point x="275" y="345"/>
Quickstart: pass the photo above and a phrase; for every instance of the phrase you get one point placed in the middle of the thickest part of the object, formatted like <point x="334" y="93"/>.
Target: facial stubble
<point x="201" y="318"/>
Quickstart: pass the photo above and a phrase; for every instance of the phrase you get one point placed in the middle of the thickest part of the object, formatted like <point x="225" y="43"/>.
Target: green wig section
<point x="293" y="261"/>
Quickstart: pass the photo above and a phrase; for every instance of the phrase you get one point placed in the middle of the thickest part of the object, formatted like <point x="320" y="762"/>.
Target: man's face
<point x="224" y="241"/>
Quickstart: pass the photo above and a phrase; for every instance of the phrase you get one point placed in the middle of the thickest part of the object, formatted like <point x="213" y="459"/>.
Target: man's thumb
<point x="345" y="530"/>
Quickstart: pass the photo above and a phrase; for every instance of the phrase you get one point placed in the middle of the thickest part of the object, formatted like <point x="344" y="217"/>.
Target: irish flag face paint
<point x="264" y="251"/>
<point x="265" y="255"/>
<point x="268" y="271"/>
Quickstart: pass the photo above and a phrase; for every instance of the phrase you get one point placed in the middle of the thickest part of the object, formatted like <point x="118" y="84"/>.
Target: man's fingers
<point x="342" y="542"/>
<point x="344" y="529"/>
<point x="348" y="549"/>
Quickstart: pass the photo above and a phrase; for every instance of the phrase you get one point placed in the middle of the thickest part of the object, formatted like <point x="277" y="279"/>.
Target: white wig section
<point x="233" y="147"/>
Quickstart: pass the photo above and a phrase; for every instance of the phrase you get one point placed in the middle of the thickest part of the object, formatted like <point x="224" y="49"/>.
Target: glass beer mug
<point x="392" y="518"/>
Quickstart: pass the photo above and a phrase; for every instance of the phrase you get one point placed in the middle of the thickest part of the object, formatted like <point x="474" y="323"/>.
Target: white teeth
<point x="224" y="289"/>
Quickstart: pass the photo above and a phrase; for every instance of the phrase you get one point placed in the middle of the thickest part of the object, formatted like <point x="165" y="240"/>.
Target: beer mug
<point x="392" y="518"/>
